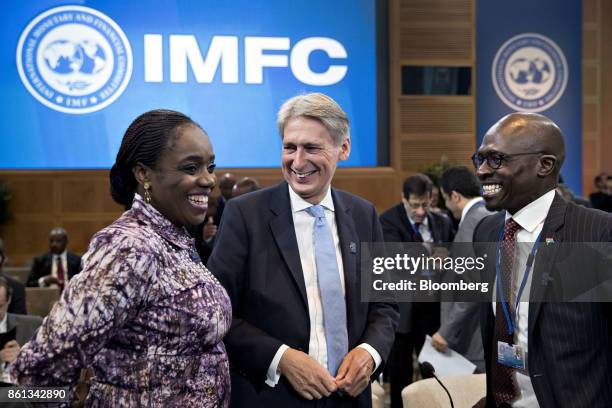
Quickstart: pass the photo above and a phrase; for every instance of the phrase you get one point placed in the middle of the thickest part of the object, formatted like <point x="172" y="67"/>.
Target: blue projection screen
<point x="75" y="76"/>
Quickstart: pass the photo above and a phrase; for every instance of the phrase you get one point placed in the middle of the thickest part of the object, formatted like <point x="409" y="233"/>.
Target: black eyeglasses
<point x="494" y="159"/>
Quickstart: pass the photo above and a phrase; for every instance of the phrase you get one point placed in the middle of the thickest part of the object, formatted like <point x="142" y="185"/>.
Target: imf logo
<point x="529" y="72"/>
<point x="74" y="59"/>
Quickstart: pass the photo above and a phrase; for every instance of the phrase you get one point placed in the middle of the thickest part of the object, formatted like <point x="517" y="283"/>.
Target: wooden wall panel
<point x="436" y="114"/>
<point x="418" y="43"/>
<point x="32" y="195"/>
<point x="590" y="79"/>
<point x="436" y="29"/>
<point x="419" y="151"/>
<point x="80" y="202"/>
<point x="590" y="43"/>
<point x="605" y="144"/>
<point x="414" y="12"/>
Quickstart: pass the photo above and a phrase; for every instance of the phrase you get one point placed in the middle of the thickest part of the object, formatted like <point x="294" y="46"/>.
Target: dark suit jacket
<point x="257" y="260"/>
<point x="41" y="266"/>
<point x="396" y="228"/>
<point x="570" y="344"/>
<point x="18" y="300"/>
<point x="26" y="326"/>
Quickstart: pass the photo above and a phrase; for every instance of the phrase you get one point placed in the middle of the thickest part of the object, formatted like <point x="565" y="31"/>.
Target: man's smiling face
<point x="515" y="183"/>
<point x="310" y="157"/>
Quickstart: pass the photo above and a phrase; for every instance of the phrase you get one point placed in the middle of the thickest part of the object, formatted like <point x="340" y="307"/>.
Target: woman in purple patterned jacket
<point x="144" y="314"/>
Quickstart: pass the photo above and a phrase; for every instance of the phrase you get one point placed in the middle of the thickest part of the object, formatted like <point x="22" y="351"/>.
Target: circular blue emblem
<point x="529" y="72"/>
<point x="74" y="59"/>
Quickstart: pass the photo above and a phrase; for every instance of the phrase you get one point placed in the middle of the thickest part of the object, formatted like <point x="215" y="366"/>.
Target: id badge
<point x="510" y="355"/>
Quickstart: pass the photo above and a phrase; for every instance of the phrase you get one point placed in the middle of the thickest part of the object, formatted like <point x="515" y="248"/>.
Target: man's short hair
<point x="462" y="180"/>
<point x="417" y="185"/>
<point x="316" y="106"/>
<point x="247" y="184"/>
<point x="58" y="231"/>
<point x="9" y="290"/>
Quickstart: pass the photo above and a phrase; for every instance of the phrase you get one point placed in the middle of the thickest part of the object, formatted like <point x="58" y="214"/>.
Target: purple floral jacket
<point x="144" y="314"/>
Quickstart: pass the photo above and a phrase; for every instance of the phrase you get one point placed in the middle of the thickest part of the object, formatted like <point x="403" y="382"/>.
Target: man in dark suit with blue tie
<point x="412" y="221"/>
<point x="564" y="350"/>
<point x="289" y="258"/>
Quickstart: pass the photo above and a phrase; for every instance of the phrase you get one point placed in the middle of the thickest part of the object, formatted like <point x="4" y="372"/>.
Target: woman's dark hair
<point x="143" y="143"/>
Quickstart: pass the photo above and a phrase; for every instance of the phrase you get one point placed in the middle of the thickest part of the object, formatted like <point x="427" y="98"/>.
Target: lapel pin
<point x="353" y="248"/>
<point x="550" y="240"/>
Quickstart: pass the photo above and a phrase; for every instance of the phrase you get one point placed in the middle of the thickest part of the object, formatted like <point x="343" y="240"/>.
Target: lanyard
<point x="500" y="290"/>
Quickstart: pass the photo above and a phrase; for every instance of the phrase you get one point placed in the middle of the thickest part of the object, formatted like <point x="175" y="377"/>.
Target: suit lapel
<point x="49" y="263"/>
<point x="435" y="228"/>
<point x="542" y="272"/>
<point x="283" y="232"/>
<point x="350" y="249"/>
<point x="10" y="322"/>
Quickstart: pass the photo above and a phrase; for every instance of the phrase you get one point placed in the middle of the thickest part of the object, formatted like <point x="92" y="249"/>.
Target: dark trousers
<point x="399" y="369"/>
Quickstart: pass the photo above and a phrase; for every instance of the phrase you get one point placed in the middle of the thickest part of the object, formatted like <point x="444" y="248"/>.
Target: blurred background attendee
<point x="145" y="314"/>
<point x="569" y="195"/>
<point x="412" y="221"/>
<point x="434" y="203"/>
<point x="206" y="231"/>
<point x="57" y="266"/>
<point x="17" y="304"/>
<point x="602" y="198"/>
<point x="245" y="185"/>
<point x="459" y="321"/>
<point x="15" y="330"/>
<point x="226" y="186"/>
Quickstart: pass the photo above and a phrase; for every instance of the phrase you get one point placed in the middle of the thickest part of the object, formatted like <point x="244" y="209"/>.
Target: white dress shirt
<point x="531" y="219"/>
<point x="4" y="372"/>
<point x="64" y="259"/>
<point x="424" y="229"/>
<point x="4" y="324"/>
<point x="304" y="232"/>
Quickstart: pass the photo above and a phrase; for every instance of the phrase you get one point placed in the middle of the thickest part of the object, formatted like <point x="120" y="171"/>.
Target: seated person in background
<point x="57" y="266"/>
<point x="20" y="328"/>
<point x="413" y="221"/>
<point x="226" y="185"/>
<point x="245" y="185"/>
<point x="565" y="192"/>
<point x="205" y="232"/>
<point x="18" y="301"/>
<point x="602" y="198"/>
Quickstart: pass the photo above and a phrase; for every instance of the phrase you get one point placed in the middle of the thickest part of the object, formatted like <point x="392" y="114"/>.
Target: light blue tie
<point x="330" y="288"/>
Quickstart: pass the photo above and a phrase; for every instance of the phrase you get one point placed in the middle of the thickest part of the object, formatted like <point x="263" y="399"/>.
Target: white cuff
<point x="41" y="282"/>
<point x="373" y="353"/>
<point x="273" y="375"/>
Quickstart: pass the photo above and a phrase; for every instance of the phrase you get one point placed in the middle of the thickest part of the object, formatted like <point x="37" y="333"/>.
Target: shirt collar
<point x="425" y="220"/>
<point x="148" y="215"/>
<point x="4" y="324"/>
<point x="299" y="204"/>
<point x="534" y="213"/>
<point x="469" y="205"/>
<point x="62" y="255"/>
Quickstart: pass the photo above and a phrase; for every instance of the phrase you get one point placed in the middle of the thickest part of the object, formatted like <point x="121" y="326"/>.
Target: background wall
<point x="423" y="129"/>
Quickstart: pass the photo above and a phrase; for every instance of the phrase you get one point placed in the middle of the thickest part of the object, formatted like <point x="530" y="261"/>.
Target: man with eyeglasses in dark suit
<point x="412" y="221"/>
<point x="564" y="349"/>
